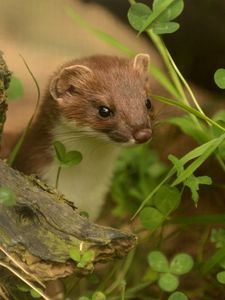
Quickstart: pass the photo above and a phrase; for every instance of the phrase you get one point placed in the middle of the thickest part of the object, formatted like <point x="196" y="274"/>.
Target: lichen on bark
<point x="5" y="76"/>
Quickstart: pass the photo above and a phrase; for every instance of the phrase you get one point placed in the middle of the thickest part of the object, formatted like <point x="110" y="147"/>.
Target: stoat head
<point x="108" y="95"/>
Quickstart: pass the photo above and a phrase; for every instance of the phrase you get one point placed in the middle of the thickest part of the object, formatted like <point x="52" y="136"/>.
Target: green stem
<point x="221" y="162"/>
<point x="188" y="109"/>
<point x="167" y="177"/>
<point x="173" y="70"/>
<point x="184" y="82"/>
<point x="18" y="145"/>
<point x="202" y="243"/>
<point x="121" y="274"/>
<point x="123" y="290"/>
<point x="57" y="177"/>
<point x="162" y="50"/>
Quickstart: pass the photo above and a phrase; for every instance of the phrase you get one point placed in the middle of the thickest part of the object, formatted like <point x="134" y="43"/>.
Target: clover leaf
<point x="219" y="78"/>
<point x="168" y="282"/>
<point x="158" y="261"/>
<point x="181" y="263"/>
<point x="178" y="296"/>
<point x="158" y="19"/>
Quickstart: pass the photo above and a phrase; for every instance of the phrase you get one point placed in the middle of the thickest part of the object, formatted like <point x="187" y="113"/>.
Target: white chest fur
<point x="87" y="183"/>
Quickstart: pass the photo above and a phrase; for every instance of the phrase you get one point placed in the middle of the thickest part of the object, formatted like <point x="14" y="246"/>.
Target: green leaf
<point x="172" y="12"/>
<point x="84" y="298"/>
<point x="165" y="82"/>
<point x="158" y="261"/>
<point x="7" y="197"/>
<point x="167" y="199"/>
<point x="168" y="282"/>
<point x="186" y="108"/>
<point x="193" y="183"/>
<point x="222" y="264"/>
<point x="186" y="124"/>
<point x="178" y="296"/>
<point x="23" y="287"/>
<point x="35" y="294"/>
<point x="71" y="158"/>
<point x="186" y="158"/>
<point x="219" y="115"/>
<point x="66" y="159"/>
<point x="141" y="17"/>
<point x="214" y="260"/>
<point x="209" y="149"/>
<point x="182" y="263"/>
<point x="164" y="28"/>
<point x="217" y="131"/>
<point x="15" y="90"/>
<point x="221" y="277"/>
<point x="87" y="257"/>
<point x="84" y="214"/>
<point x="218" y="237"/>
<point x="138" y="14"/>
<point x="74" y="254"/>
<point x="157" y="12"/>
<point x="204" y="180"/>
<point x="98" y="296"/>
<point x="219" y="78"/>
<point x="60" y="150"/>
<point x="177" y="163"/>
<point x="151" y="218"/>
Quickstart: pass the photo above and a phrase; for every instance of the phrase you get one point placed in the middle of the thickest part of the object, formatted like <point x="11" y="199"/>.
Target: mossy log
<point x="41" y="228"/>
<point x="5" y="75"/>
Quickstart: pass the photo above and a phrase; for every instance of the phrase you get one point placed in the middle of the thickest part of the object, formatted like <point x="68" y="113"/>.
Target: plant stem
<point x="173" y="71"/>
<point x="121" y="274"/>
<point x="167" y="177"/>
<point x="202" y="243"/>
<point x="30" y="284"/>
<point x="123" y="290"/>
<point x="162" y="50"/>
<point x="57" y="177"/>
<point x="184" y="82"/>
<point x="221" y="162"/>
<point x="18" y="145"/>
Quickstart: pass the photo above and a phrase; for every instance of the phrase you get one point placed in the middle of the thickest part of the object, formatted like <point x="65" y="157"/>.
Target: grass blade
<point x="99" y="33"/>
<point x="18" y="145"/>
<point x="211" y="147"/>
<point x="188" y="109"/>
<point x="214" y="260"/>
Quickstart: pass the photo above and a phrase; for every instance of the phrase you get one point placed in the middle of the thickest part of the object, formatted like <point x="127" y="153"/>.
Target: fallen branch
<point x="41" y="228"/>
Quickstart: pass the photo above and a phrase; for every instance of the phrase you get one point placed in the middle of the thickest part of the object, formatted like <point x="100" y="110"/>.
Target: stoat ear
<point x="141" y="63"/>
<point x="68" y="79"/>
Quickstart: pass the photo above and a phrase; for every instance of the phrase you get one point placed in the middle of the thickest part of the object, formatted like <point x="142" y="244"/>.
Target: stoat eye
<point x="148" y="104"/>
<point x="104" y="111"/>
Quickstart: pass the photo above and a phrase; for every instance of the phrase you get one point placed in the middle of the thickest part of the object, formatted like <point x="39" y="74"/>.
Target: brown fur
<point x="76" y="93"/>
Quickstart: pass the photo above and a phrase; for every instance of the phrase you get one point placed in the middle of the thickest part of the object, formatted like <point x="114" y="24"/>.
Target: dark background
<point x="198" y="47"/>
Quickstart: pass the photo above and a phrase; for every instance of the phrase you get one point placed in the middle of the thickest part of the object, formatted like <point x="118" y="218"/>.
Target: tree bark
<point x="5" y="75"/>
<point x="41" y="228"/>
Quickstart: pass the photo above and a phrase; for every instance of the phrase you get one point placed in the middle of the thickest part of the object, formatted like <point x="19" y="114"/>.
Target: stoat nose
<point x="142" y="135"/>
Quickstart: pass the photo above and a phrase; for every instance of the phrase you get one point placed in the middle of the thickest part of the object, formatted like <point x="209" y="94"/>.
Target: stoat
<point x="94" y="105"/>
